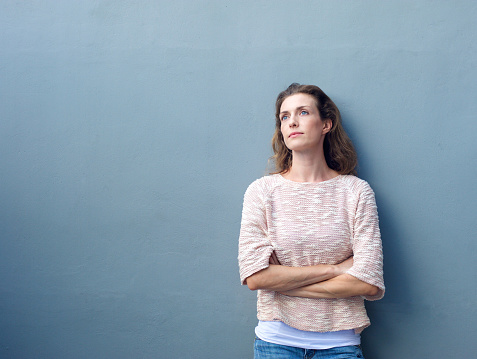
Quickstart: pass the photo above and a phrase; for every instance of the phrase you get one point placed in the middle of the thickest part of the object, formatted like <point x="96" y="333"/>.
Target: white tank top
<point x="280" y="333"/>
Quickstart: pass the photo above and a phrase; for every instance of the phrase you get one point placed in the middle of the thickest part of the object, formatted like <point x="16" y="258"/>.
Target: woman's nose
<point x="293" y="121"/>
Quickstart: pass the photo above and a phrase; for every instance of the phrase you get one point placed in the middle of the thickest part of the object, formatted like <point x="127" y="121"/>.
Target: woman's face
<point x="301" y="125"/>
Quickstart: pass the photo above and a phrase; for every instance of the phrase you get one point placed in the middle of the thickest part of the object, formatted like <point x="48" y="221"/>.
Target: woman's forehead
<point x="297" y="100"/>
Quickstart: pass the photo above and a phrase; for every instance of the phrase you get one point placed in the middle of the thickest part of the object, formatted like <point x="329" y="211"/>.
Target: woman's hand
<point x="343" y="267"/>
<point x="273" y="259"/>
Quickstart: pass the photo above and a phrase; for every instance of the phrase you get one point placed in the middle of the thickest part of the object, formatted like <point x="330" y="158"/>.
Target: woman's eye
<point x="303" y="112"/>
<point x="284" y="117"/>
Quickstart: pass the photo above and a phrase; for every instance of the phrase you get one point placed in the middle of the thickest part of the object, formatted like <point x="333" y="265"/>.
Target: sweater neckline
<point x="283" y="179"/>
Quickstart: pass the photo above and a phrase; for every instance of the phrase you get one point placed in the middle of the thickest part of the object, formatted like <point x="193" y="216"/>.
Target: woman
<point x="309" y="239"/>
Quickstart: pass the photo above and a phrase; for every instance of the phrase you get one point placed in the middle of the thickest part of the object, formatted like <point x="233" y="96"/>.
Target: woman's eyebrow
<point x="297" y="108"/>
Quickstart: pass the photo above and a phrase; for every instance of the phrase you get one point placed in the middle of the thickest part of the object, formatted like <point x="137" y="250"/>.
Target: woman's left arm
<point x="342" y="286"/>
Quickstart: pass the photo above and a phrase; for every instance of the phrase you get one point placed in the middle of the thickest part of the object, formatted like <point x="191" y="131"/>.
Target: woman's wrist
<point x="343" y="267"/>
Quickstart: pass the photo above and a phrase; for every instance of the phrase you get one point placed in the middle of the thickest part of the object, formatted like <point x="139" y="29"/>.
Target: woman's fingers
<point x="273" y="259"/>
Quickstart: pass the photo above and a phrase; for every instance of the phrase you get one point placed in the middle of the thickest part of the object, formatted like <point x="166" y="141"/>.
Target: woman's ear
<point x="327" y="125"/>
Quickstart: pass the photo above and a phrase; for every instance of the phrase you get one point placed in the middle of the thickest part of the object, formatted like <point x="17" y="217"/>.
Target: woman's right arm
<point x="277" y="277"/>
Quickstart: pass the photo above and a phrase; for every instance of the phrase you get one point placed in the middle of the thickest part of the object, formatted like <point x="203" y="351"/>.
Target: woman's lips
<point x="295" y="134"/>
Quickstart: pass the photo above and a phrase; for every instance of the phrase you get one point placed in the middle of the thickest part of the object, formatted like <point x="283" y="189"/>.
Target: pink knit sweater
<point x="308" y="224"/>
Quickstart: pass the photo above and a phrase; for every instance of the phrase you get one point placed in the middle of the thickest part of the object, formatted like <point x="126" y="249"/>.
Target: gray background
<point x="131" y="129"/>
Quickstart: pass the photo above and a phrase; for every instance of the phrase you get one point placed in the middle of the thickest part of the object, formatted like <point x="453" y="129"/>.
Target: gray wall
<point x="131" y="129"/>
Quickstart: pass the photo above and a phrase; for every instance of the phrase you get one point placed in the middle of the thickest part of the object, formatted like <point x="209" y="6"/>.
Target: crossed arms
<point x="317" y="281"/>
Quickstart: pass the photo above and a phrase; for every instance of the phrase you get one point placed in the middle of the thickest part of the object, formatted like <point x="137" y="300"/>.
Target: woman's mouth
<point x="295" y="134"/>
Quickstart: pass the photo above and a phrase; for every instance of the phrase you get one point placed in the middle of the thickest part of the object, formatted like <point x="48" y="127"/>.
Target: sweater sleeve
<point x="366" y="241"/>
<point x="255" y="248"/>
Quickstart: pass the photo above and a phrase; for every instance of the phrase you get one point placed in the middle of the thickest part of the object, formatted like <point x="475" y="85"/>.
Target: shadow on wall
<point x="391" y="310"/>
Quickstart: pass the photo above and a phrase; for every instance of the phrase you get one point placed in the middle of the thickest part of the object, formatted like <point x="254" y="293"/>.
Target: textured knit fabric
<point x="308" y="224"/>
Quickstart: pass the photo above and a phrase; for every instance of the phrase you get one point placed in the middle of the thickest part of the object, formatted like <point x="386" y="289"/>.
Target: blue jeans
<point x="266" y="350"/>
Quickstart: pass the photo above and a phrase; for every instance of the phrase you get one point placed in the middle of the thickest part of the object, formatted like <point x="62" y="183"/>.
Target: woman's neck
<point x="309" y="169"/>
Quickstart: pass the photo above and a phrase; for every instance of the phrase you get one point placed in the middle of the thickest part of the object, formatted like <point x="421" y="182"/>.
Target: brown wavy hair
<point x="339" y="151"/>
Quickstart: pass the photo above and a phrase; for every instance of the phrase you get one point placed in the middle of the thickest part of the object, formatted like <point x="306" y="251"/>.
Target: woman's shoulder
<point x="265" y="183"/>
<point x="356" y="184"/>
<point x="260" y="189"/>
